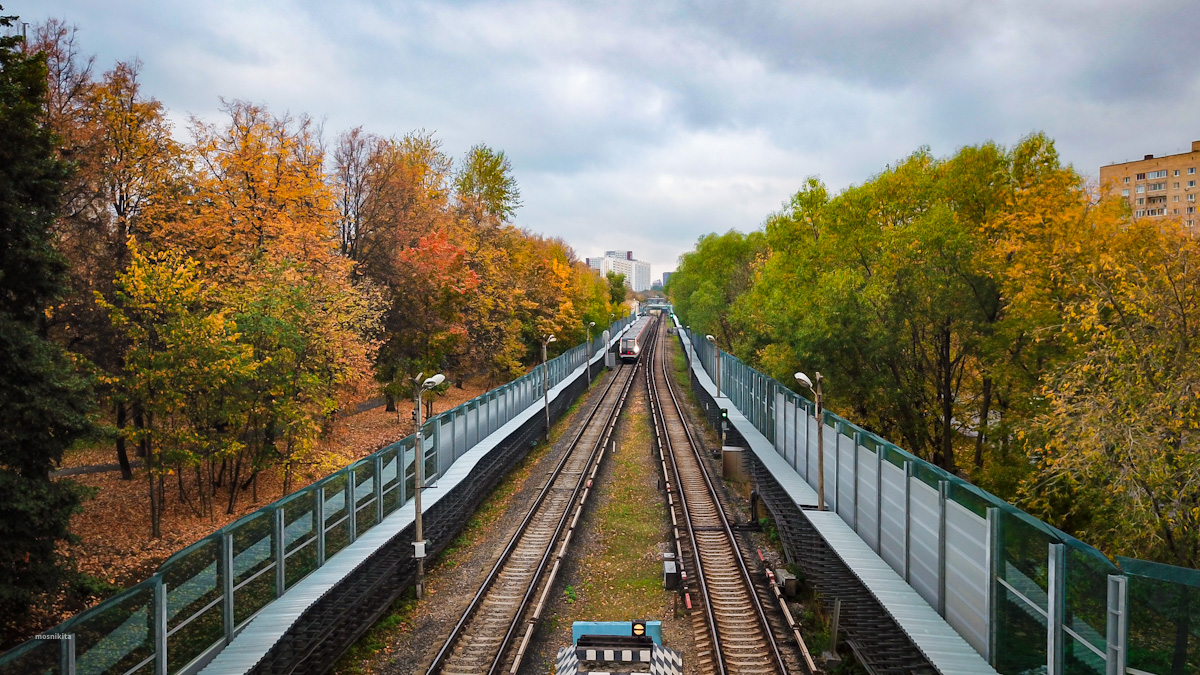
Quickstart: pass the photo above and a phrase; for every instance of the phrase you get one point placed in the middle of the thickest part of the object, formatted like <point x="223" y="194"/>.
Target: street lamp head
<point x="592" y="323"/>
<point x="711" y="339"/>
<point x="550" y="339"/>
<point x="434" y="381"/>
<point x="803" y="379"/>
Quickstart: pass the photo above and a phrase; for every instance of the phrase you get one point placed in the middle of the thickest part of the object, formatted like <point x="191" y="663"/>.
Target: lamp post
<point x="419" y="388"/>
<point x="590" y="326"/>
<point x="816" y="391"/>
<point x="716" y="360"/>
<point x="546" y="340"/>
<point x="691" y="347"/>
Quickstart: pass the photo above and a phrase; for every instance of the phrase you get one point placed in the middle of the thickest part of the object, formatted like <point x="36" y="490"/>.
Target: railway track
<point x="734" y="635"/>
<point x="499" y="614"/>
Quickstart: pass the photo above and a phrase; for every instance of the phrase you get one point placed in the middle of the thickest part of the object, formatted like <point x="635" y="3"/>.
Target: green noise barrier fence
<point x="202" y="596"/>
<point x="1027" y="596"/>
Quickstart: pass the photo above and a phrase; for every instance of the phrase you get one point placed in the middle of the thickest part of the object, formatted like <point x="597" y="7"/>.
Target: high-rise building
<point x="637" y="272"/>
<point x="667" y="277"/>
<point x="1158" y="186"/>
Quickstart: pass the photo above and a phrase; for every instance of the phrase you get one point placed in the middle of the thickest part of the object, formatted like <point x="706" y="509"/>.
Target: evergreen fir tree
<point x="44" y="400"/>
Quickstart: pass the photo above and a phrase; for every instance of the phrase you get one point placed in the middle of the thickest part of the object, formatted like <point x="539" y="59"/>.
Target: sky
<point x="644" y="125"/>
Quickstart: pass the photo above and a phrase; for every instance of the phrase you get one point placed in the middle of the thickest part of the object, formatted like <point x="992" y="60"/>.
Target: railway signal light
<point x="639" y="627"/>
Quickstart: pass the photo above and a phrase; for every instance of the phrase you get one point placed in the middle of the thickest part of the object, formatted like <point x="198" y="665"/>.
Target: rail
<point x="441" y="659"/>
<point x="735" y="645"/>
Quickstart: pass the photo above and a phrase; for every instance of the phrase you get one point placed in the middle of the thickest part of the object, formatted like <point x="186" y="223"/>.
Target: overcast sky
<point x="643" y="125"/>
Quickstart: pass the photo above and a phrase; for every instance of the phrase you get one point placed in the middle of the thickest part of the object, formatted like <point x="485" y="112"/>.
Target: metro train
<point x="635" y="338"/>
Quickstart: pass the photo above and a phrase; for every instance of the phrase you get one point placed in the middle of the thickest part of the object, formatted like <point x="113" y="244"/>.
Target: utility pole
<point x="546" y="340"/>
<point x="590" y="325"/>
<point x="419" y="388"/>
<point x="815" y="388"/>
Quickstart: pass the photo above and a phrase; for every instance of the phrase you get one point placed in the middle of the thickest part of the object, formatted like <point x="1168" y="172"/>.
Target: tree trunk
<point x="122" y="455"/>
<point x="233" y="482"/>
<point x="1179" y="660"/>
<point x="946" y="384"/>
<point x="391" y="403"/>
<point x="139" y="422"/>
<point x="985" y="410"/>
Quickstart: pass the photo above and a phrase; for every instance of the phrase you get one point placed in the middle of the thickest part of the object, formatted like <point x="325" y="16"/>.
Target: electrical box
<point x="786" y="581"/>
<point x="670" y="572"/>
<point x="732" y="466"/>
<point x="419" y="549"/>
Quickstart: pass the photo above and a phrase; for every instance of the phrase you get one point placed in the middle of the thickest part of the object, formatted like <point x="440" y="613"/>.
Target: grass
<point x="380" y="637"/>
<point x="384" y="633"/>
<point x="621" y="575"/>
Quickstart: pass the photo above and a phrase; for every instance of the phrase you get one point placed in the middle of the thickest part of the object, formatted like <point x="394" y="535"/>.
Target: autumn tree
<point x="44" y="401"/>
<point x="1120" y="434"/>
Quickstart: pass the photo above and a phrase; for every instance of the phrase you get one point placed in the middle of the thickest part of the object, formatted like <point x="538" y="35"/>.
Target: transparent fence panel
<point x="337" y="514"/>
<point x="35" y="657"/>
<point x="299" y="535"/>
<point x="1022" y="580"/>
<point x="116" y="636"/>
<point x="253" y="565"/>
<point x="409" y="453"/>
<point x="1164" y="618"/>
<point x="391" y="477"/>
<point x="366" y="515"/>
<point x="1085" y="621"/>
<point x="429" y="449"/>
<point x="194" y="589"/>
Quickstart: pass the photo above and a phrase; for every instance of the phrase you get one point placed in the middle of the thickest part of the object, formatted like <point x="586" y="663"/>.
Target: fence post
<point x="1055" y="606"/>
<point x="227" y="585"/>
<point x="943" y="489"/>
<point x="807" y="444"/>
<point x="854" y="494"/>
<point x="280" y="549"/>
<point x="437" y="445"/>
<point x="1118" y="624"/>
<point x="320" y="515"/>
<point x="352" y="517"/>
<point x="379" y="488"/>
<point x="908" y="476"/>
<point x="992" y="550"/>
<point x="880" y="448"/>
<point x="160" y="625"/>
<point x="66" y="653"/>
<point x="837" y="469"/>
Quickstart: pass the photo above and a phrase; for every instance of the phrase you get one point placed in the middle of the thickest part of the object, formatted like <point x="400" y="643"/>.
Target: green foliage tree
<point x="710" y="280"/>
<point x="616" y="287"/>
<point x="44" y="400"/>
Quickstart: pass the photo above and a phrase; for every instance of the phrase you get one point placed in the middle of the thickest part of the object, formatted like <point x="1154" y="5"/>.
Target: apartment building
<point x="637" y="272"/>
<point x="1158" y="187"/>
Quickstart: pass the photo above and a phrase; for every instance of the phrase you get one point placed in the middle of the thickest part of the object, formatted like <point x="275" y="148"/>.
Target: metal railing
<point x="202" y="596"/>
<point x="1027" y="596"/>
